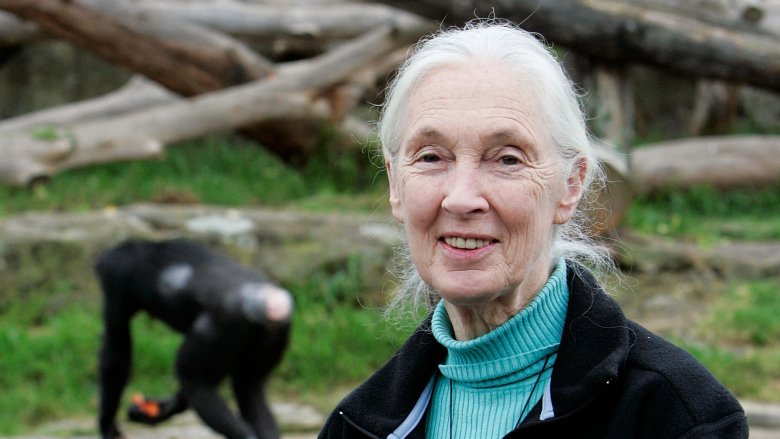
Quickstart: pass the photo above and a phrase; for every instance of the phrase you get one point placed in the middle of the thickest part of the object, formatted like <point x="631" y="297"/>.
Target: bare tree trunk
<point x="725" y="161"/>
<point x="633" y="32"/>
<point x="184" y="57"/>
<point x="279" y="30"/>
<point x="291" y="30"/>
<point x="184" y="69"/>
<point x="715" y="108"/>
<point x="609" y="206"/>
<point x="614" y="118"/>
<point x="294" y="92"/>
<point x="138" y="94"/>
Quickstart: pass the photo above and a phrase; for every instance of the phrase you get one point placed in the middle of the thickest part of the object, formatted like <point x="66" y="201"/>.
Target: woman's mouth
<point x="466" y="243"/>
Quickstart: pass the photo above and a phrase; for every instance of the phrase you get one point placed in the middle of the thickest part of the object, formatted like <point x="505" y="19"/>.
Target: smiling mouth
<point x="466" y="243"/>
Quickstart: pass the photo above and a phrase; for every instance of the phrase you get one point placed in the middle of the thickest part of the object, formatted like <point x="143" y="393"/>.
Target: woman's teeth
<point x="467" y="243"/>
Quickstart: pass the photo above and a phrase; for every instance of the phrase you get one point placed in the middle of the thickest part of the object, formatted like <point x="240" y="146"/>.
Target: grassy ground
<point x="48" y="360"/>
<point x="221" y="170"/>
<point x="737" y="339"/>
<point x="48" y="369"/>
<point x="708" y="215"/>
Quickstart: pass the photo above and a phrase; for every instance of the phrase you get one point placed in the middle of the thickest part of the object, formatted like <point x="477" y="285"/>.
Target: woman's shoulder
<point x="666" y="380"/>
<point x="655" y="355"/>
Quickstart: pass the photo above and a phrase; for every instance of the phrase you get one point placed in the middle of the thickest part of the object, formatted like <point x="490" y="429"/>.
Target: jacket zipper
<point x="357" y="427"/>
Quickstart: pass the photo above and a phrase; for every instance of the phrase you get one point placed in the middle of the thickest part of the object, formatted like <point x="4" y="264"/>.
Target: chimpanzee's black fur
<point x="197" y="293"/>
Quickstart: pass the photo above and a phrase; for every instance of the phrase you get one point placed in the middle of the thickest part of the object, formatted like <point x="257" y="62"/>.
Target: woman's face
<point x="478" y="185"/>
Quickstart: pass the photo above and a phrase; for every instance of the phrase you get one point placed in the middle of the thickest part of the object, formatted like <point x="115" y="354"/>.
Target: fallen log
<point x="633" y="31"/>
<point x="184" y="58"/>
<point x="138" y="94"/>
<point x="289" y="29"/>
<point x="15" y="31"/>
<point x="722" y="162"/>
<point x="294" y="92"/>
<point x="181" y="67"/>
<point x="184" y="33"/>
<point x="719" y="161"/>
<point x="279" y="30"/>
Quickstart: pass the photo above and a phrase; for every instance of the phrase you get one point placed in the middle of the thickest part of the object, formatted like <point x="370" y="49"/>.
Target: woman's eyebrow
<point x="427" y="135"/>
<point x="507" y="136"/>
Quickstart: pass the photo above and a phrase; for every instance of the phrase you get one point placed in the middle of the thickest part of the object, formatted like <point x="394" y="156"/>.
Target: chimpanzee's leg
<point x="205" y="358"/>
<point x="249" y="390"/>
<point x="250" y="374"/>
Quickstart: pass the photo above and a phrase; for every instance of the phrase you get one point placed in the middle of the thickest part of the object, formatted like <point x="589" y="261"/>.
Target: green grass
<point x="218" y="170"/>
<point x="737" y="340"/>
<point x="48" y="365"/>
<point x="708" y="215"/>
<point x="50" y="331"/>
<point x="336" y="337"/>
<point x="48" y="369"/>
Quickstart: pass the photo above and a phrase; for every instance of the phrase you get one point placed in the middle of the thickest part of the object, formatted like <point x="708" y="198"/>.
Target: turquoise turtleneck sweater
<point x="484" y="389"/>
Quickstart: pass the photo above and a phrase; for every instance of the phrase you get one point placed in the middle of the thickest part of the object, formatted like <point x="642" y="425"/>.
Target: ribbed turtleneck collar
<point x="507" y="353"/>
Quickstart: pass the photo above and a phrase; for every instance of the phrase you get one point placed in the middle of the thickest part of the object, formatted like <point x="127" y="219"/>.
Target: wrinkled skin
<point x="478" y="185"/>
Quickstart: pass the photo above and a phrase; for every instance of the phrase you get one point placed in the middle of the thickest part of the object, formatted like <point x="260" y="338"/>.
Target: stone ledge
<point x="763" y="415"/>
<point x="287" y="245"/>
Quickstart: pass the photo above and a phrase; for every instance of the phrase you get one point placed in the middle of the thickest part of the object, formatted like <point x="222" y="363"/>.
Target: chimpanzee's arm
<point x="115" y="359"/>
<point x="161" y="409"/>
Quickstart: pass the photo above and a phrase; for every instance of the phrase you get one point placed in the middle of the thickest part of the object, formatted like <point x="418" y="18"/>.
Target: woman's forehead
<point x="469" y="80"/>
<point x="486" y="100"/>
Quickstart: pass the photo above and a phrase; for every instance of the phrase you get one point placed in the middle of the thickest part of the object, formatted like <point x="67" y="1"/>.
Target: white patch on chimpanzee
<point x="174" y="278"/>
<point x="204" y="327"/>
<point x="265" y="302"/>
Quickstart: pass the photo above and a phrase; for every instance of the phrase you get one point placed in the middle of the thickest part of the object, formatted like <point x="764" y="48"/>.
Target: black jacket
<point x="612" y="379"/>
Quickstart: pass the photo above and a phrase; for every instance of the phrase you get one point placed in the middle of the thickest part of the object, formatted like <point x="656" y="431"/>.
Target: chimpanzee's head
<point x="265" y="303"/>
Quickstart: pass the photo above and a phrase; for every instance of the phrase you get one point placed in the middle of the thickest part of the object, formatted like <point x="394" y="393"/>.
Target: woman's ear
<point x="572" y="192"/>
<point x="395" y="201"/>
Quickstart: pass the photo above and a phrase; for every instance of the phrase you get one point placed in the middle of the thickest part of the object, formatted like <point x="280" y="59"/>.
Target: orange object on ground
<point x="148" y="408"/>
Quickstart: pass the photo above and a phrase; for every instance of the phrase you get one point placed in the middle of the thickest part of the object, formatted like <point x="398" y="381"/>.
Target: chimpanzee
<point x="235" y="323"/>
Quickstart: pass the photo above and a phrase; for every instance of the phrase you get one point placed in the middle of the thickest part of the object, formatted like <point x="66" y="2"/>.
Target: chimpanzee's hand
<point x="144" y="411"/>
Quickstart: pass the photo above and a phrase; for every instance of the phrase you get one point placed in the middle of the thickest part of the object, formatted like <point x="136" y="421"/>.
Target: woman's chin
<point x="464" y="295"/>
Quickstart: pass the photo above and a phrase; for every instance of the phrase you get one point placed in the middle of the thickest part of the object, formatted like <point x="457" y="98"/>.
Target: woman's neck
<point x="470" y="321"/>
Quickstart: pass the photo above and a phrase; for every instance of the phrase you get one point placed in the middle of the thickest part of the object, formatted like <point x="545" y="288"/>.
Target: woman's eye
<point x="509" y="160"/>
<point x="429" y="158"/>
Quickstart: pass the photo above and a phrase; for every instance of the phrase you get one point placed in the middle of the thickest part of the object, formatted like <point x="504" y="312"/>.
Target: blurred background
<point x="247" y="125"/>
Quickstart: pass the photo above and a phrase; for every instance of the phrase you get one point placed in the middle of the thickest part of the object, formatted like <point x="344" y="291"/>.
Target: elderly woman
<point x="488" y="158"/>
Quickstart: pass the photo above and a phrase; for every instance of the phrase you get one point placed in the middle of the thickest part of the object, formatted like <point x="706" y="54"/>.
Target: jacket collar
<point x="384" y="401"/>
<point x="594" y="345"/>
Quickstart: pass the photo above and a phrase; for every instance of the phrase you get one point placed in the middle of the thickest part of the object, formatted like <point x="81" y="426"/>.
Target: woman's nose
<point x="464" y="192"/>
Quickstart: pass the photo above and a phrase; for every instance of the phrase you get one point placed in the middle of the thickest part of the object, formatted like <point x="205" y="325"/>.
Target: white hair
<point x="536" y="66"/>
